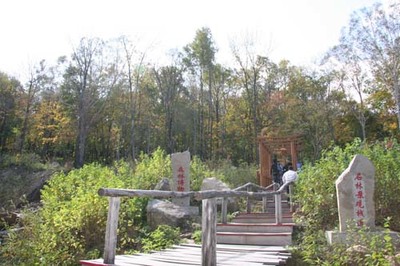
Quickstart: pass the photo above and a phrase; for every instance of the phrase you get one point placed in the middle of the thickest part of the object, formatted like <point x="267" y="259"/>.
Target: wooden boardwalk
<point x="190" y="254"/>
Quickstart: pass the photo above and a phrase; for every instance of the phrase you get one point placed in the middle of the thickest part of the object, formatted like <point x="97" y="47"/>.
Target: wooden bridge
<point x="251" y="238"/>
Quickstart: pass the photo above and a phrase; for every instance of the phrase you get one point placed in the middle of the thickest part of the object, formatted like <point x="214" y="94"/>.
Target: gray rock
<point x="164" y="212"/>
<point x="213" y="183"/>
<point x="163" y="185"/>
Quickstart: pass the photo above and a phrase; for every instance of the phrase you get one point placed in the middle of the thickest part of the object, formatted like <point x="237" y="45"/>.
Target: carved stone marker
<point x="179" y="213"/>
<point x="355" y="194"/>
<point x="181" y="178"/>
<point x="355" y="197"/>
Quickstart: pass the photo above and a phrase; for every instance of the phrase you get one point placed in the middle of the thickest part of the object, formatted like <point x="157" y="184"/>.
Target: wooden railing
<point x="209" y="212"/>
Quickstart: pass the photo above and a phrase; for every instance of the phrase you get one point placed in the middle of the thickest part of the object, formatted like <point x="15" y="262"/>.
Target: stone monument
<point x="177" y="213"/>
<point x="181" y="176"/>
<point x="355" y="194"/>
<point x="355" y="198"/>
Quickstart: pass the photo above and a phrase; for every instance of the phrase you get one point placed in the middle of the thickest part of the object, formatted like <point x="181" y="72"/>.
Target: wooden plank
<point x="224" y="210"/>
<point x="190" y="255"/>
<point x="165" y="259"/>
<point x="223" y="257"/>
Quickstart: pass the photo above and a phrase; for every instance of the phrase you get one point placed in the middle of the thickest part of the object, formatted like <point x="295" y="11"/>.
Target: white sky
<point x="297" y="30"/>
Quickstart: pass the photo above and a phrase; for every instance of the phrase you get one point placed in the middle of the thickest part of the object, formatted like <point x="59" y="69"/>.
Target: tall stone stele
<point x="177" y="213"/>
<point x="355" y="198"/>
<point x="181" y="176"/>
<point x="355" y="194"/>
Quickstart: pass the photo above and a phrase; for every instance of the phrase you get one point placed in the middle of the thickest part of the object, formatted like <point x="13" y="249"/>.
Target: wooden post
<point x="111" y="230"/>
<point x="278" y="208"/>
<point x="248" y="201"/>
<point x="224" y="210"/>
<point x="265" y="203"/>
<point x="293" y="153"/>
<point x="290" y="197"/>
<point x="209" y="225"/>
<point x="265" y="163"/>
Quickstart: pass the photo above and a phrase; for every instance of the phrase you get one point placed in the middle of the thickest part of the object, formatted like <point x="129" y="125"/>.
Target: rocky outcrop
<point x="20" y="185"/>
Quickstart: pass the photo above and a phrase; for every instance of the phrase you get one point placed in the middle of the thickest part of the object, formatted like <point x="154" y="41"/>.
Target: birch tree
<point x="374" y="34"/>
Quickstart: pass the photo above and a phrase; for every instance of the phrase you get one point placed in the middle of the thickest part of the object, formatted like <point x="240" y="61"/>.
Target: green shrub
<point x="198" y="172"/>
<point x="151" y="169"/>
<point x="71" y="224"/>
<point x="196" y="236"/>
<point x="387" y="180"/>
<point x="235" y="176"/>
<point x="362" y="247"/>
<point x="319" y="207"/>
<point x="29" y="161"/>
<point x="163" y="237"/>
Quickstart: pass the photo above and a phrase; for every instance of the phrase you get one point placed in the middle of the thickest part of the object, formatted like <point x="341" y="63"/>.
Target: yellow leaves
<point x="50" y="124"/>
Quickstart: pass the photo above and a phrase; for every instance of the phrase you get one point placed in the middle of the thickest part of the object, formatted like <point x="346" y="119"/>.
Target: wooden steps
<point x="250" y="238"/>
<point x="258" y="228"/>
<point x="261" y="218"/>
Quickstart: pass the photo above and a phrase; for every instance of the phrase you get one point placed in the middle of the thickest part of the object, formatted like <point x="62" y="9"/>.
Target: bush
<point x="71" y="224"/>
<point x="163" y="237"/>
<point x="235" y="176"/>
<point x="151" y="169"/>
<point x="198" y="172"/>
<point x="29" y="161"/>
<point x="196" y="236"/>
<point x="319" y="212"/>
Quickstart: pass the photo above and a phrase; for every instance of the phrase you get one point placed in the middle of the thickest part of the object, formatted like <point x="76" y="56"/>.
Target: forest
<point x="106" y="116"/>
<point x="106" y="102"/>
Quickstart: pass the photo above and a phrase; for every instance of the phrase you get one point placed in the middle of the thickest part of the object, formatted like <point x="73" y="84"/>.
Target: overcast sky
<point x="297" y="30"/>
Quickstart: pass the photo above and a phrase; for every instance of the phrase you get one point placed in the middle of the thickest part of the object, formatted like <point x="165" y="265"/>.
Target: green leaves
<point x="151" y="169"/>
<point x="71" y="224"/>
<point x="319" y="207"/>
<point x="163" y="237"/>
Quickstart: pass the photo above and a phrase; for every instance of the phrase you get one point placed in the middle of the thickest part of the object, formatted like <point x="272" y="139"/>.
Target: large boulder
<point x="213" y="183"/>
<point x="164" y="212"/>
<point x="163" y="185"/>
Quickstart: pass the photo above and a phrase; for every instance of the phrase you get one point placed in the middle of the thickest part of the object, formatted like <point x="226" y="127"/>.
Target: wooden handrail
<point x="253" y="186"/>
<point x="208" y="219"/>
<point x="198" y="195"/>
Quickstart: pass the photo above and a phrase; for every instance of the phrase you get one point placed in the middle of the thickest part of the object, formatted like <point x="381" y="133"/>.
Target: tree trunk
<point x="24" y="130"/>
<point x="80" y="144"/>
<point x="396" y="91"/>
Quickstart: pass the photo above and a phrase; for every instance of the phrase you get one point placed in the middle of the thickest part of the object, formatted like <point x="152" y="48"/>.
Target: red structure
<point x="285" y="149"/>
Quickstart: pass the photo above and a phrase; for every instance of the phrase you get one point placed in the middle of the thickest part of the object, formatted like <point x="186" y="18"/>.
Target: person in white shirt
<point x="289" y="176"/>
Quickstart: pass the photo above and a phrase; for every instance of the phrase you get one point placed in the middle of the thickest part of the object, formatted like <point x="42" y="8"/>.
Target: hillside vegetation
<point x="316" y="194"/>
<point x="71" y="223"/>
